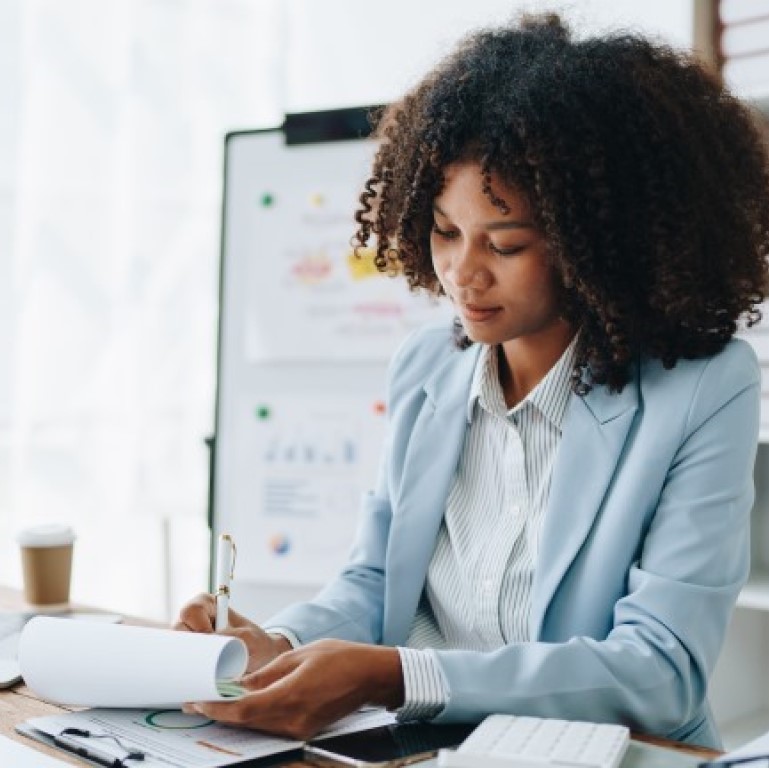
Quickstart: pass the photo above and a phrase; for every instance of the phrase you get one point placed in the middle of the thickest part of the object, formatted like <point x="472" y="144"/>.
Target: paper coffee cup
<point x="46" y="560"/>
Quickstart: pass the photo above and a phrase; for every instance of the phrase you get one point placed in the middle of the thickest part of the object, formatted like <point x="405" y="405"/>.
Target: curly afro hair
<point x="649" y="181"/>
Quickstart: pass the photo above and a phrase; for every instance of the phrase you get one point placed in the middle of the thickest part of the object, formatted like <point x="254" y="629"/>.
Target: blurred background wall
<point x="112" y="117"/>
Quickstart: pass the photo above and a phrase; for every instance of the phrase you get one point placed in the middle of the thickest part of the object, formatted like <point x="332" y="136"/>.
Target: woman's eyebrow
<point x="492" y="226"/>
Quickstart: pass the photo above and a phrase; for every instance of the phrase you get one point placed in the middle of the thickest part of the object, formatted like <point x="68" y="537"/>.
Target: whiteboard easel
<point x="306" y="330"/>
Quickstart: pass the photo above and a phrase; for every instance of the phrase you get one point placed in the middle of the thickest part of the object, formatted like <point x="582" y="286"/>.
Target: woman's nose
<point x="468" y="270"/>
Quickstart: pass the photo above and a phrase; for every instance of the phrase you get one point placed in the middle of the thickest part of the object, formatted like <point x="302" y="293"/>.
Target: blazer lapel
<point x="431" y="460"/>
<point x="594" y="432"/>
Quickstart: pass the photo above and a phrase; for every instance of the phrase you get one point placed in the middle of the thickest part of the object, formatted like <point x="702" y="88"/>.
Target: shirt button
<point x="516" y="510"/>
<point x="488" y="585"/>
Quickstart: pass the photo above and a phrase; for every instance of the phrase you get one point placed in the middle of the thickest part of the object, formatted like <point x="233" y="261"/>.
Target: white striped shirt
<point x="477" y="593"/>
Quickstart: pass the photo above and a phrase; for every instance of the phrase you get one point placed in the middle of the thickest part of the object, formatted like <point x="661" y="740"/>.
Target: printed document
<point x="17" y="755"/>
<point x="89" y="664"/>
<point x="173" y="739"/>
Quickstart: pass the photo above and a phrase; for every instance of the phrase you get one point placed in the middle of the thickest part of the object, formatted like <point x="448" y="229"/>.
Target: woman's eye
<point x="446" y="234"/>
<point x="511" y="251"/>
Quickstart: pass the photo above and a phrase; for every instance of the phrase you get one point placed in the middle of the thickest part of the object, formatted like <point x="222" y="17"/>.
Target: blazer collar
<point x="606" y="407"/>
<point x="430" y="463"/>
<point x="595" y="431"/>
<point x="449" y="385"/>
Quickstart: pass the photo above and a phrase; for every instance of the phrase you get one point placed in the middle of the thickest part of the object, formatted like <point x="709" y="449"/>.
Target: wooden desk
<point x="19" y="703"/>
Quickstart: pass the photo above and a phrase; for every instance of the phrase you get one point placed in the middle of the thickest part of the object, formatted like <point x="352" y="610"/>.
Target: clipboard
<point x="86" y="755"/>
<point x="139" y="738"/>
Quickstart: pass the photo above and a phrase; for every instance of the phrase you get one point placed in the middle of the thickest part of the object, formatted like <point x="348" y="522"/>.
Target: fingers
<point x="272" y="703"/>
<point x="244" y="711"/>
<point x="234" y="619"/>
<point x="299" y="692"/>
<point x="271" y="673"/>
<point x="198" y="615"/>
<point x="265" y="710"/>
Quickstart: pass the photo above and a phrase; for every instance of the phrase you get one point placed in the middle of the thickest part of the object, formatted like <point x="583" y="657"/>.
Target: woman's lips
<point x="478" y="314"/>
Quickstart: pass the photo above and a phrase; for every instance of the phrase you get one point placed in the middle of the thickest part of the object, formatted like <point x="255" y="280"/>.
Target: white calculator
<point x="510" y="741"/>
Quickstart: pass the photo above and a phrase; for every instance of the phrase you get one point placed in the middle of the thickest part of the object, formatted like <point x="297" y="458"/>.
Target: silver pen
<point x="225" y="568"/>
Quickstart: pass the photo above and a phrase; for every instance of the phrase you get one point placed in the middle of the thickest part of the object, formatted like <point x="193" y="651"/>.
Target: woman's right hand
<point x="199" y="615"/>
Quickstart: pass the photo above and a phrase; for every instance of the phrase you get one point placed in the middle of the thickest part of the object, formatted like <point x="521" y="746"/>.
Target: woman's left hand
<point x="304" y="690"/>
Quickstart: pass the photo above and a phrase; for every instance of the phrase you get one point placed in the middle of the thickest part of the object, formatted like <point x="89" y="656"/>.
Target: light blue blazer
<point x="643" y="549"/>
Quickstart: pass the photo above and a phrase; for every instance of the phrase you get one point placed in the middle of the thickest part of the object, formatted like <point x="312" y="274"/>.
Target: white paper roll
<point x="115" y="665"/>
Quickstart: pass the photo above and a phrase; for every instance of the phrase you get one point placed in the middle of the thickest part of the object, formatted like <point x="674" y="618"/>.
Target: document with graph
<point x="163" y="738"/>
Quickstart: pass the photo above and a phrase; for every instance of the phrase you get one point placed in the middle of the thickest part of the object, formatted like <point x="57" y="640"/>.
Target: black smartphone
<point x="387" y="746"/>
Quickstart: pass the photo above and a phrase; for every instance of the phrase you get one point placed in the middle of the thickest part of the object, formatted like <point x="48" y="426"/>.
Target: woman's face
<point x="492" y="265"/>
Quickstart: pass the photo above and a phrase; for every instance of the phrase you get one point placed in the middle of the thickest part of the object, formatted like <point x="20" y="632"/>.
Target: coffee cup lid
<point x="48" y="535"/>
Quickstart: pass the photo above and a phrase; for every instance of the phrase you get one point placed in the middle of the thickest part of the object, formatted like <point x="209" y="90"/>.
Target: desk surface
<point x="19" y="703"/>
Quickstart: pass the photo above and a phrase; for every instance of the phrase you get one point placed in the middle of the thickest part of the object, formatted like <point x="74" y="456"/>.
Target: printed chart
<point x="307" y="463"/>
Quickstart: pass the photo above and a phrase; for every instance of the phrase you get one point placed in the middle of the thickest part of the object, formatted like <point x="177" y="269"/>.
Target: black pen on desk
<point x="225" y="569"/>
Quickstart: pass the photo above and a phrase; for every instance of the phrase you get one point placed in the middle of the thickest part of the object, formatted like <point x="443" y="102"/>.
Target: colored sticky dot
<point x="317" y="200"/>
<point x="379" y="407"/>
<point x="262" y="412"/>
<point x="267" y="200"/>
<point x="279" y="544"/>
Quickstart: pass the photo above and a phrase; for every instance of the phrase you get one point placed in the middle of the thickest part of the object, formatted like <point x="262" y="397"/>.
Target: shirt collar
<point x="550" y="396"/>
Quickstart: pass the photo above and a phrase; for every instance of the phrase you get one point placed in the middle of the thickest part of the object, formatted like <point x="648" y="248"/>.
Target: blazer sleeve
<point x="651" y="670"/>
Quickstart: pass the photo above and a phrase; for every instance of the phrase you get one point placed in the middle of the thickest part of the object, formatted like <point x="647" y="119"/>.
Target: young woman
<point x="560" y="525"/>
